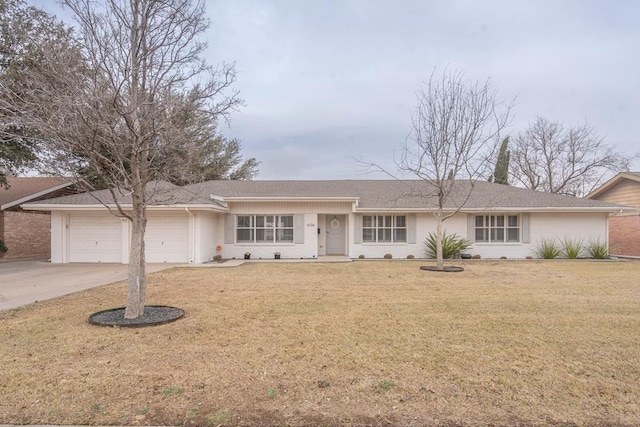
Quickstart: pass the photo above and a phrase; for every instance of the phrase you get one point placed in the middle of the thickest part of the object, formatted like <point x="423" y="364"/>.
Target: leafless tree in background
<point x="139" y="90"/>
<point x="456" y="128"/>
<point x="548" y="157"/>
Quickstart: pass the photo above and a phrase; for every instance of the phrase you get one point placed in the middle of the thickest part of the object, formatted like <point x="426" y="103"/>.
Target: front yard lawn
<point x="363" y="343"/>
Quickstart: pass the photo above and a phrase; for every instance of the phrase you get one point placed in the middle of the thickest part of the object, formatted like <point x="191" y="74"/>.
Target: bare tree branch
<point x="574" y="161"/>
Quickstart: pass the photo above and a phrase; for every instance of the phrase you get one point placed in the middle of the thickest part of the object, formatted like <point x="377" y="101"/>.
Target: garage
<point x="95" y="238"/>
<point x="167" y="238"/>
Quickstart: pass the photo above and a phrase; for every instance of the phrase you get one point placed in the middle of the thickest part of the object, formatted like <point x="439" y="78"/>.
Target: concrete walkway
<point x="25" y="282"/>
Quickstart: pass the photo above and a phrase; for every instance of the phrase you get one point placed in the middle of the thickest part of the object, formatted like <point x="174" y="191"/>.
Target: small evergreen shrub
<point x="503" y="257"/>
<point x="410" y="257"/>
<point x="452" y="245"/>
<point x="217" y="258"/>
<point x="3" y="247"/>
<point x="361" y="256"/>
<point x="598" y="250"/>
<point x="476" y="256"/>
<point x="548" y="249"/>
<point x="572" y="248"/>
<point x="388" y="256"/>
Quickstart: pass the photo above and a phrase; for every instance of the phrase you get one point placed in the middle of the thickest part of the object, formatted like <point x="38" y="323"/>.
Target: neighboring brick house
<point x="27" y="234"/>
<point x="624" y="228"/>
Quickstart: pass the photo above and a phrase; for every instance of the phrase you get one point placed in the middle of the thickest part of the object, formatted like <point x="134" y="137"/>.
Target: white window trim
<point x="254" y="228"/>
<point x="393" y="228"/>
<point x="505" y="228"/>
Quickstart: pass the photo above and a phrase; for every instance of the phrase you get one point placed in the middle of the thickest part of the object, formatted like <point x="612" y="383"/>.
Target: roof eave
<point x="99" y="207"/>
<point x="613" y="181"/>
<point x="290" y="199"/>
<point x="35" y="195"/>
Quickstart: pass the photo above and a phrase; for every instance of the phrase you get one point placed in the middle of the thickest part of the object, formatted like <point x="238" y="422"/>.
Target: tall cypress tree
<point x="501" y="172"/>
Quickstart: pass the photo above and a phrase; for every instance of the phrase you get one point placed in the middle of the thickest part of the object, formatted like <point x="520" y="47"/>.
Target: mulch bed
<point x="447" y="269"/>
<point x="153" y="315"/>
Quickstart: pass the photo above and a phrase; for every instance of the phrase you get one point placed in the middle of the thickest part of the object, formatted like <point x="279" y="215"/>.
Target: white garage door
<point x="95" y="238"/>
<point x="167" y="238"/>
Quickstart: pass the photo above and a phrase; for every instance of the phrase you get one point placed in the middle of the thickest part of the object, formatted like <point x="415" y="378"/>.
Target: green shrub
<point x="217" y="258"/>
<point x="548" y="249"/>
<point x="410" y="257"/>
<point x="598" y="250"/>
<point x="388" y="256"/>
<point x="3" y="247"/>
<point x="452" y="245"/>
<point x="361" y="256"/>
<point x="572" y="248"/>
<point x="476" y="256"/>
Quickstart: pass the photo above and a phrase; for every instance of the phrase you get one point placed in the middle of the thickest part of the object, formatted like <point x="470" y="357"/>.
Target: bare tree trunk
<point x="439" y="257"/>
<point x="137" y="281"/>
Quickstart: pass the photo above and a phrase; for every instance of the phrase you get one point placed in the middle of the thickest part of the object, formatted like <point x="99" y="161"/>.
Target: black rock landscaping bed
<point x="447" y="269"/>
<point x="153" y="315"/>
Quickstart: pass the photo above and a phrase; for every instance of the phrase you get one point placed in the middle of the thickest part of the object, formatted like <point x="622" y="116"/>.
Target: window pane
<point x="400" y="235"/>
<point x="401" y="221"/>
<point x="259" y="221"/>
<point x="513" y="234"/>
<point x="285" y="235"/>
<point x="497" y="234"/>
<point x="513" y="221"/>
<point x="500" y="221"/>
<point x="286" y="221"/>
<point x="368" y="235"/>
<point x="384" y="235"/>
<point x="269" y="221"/>
<point x="479" y="221"/>
<point x="367" y="221"/>
<point x="245" y="235"/>
<point x="244" y="221"/>
<point x="482" y="235"/>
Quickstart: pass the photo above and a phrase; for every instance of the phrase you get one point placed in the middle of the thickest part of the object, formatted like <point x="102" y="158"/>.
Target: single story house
<point x="311" y="219"/>
<point x="624" y="227"/>
<point x="26" y="234"/>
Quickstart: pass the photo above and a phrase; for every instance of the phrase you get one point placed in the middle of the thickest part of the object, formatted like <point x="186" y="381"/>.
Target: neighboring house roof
<point x="632" y="176"/>
<point x="27" y="189"/>
<point x="366" y="195"/>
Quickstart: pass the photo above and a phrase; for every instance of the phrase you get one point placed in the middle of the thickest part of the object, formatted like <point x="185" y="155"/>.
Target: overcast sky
<point x="329" y="82"/>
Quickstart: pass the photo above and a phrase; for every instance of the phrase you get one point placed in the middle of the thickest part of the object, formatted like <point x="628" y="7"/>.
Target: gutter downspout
<point x="192" y="232"/>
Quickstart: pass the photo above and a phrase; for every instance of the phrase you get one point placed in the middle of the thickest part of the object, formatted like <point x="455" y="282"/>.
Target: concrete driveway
<point x="25" y="282"/>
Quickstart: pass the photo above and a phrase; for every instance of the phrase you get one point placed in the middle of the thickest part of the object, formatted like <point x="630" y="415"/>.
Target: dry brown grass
<point x="364" y="343"/>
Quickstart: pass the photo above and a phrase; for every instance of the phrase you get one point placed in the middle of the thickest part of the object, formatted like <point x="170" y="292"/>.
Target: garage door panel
<point x="95" y="238"/>
<point x="167" y="238"/>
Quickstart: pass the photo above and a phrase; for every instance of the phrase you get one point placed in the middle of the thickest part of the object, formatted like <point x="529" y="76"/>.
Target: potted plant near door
<point x="247" y="255"/>
<point x="276" y="255"/>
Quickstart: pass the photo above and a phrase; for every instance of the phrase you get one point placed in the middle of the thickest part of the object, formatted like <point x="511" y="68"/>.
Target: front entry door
<point x="335" y="226"/>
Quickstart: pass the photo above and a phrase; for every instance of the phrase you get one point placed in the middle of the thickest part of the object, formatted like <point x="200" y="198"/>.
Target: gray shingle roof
<point x="409" y="194"/>
<point x="371" y="194"/>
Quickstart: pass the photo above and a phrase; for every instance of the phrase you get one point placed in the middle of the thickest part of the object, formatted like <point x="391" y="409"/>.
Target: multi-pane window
<point x="264" y="229"/>
<point x="384" y="228"/>
<point x="497" y="228"/>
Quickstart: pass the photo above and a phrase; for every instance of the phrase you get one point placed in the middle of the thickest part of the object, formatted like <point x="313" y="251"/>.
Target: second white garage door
<point x="167" y="238"/>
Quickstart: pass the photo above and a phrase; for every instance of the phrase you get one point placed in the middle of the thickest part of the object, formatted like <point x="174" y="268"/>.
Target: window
<point x="264" y="229"/>
<point x="384" y="228"/>
<point x="497" y="228"/>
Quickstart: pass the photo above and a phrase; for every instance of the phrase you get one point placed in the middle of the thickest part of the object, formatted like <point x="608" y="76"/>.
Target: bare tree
<point x="26" y="36"/>
<point x="456" y="128"/>
<point x="127" y="104"/>
<point x="548" y="157"/>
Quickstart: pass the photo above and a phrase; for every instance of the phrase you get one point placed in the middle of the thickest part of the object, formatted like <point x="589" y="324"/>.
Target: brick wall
<point x="27" y="235"/>
<point x="624" y="235"/>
